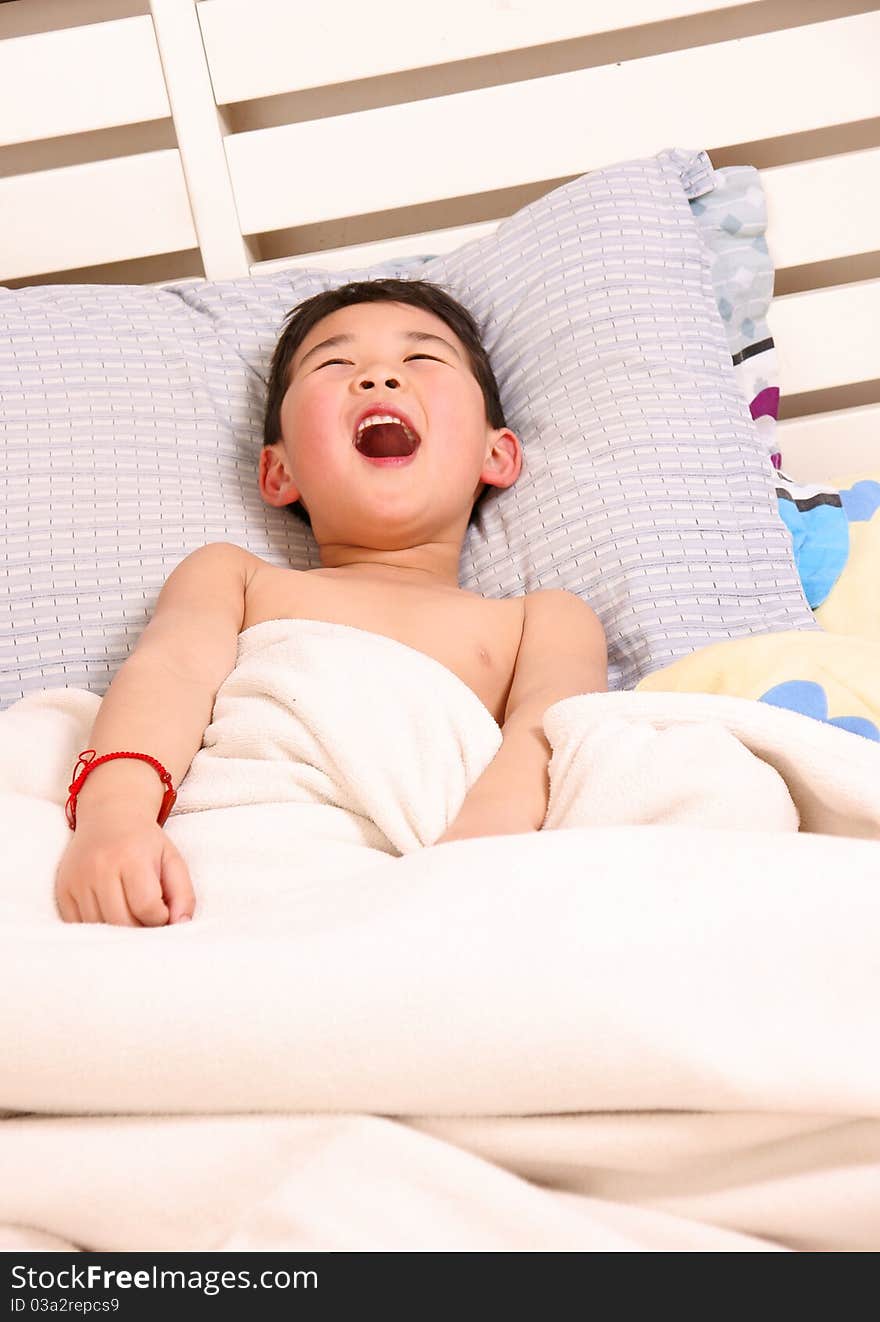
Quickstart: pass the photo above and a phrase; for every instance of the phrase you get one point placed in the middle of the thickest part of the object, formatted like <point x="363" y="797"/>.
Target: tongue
<point x="385" y="439"/>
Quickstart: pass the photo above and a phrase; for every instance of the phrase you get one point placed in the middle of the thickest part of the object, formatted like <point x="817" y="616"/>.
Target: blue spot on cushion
<point x="810" y="699"/>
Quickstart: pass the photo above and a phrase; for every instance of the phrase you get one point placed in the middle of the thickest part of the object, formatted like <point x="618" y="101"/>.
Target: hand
<point x="486" y="816"/>
<point x="123" y="871"/>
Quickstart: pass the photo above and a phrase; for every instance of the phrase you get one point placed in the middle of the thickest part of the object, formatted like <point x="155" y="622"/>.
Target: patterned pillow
<point x="132" y="420"/>
<point x="733" y="220"/>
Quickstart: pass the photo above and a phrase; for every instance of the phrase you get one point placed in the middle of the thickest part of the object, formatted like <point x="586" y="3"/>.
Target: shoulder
<point x="224" y="558"/>
<point x="560" y="606"/>
<point x="562" y="648"/>
<point x="214" y="567"/>
<point x="557" y="623"/>
<point x="204" y="596"/>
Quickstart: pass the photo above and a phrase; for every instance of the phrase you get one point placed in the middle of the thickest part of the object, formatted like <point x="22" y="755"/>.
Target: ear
<point x="503" y="459"/>
<point x="277" y="487"/>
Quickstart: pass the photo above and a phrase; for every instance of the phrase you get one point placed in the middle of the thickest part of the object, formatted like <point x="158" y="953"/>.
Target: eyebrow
<point x="415" y="337"/>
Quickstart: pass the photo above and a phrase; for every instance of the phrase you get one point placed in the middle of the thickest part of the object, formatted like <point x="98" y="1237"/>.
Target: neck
<point x="426" y="566"/>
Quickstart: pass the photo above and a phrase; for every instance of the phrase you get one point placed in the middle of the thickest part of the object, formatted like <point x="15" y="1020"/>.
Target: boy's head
<point x="404" y="346"/>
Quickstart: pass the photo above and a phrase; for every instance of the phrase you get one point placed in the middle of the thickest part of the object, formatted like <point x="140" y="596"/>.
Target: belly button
<point x="484" y="656"/>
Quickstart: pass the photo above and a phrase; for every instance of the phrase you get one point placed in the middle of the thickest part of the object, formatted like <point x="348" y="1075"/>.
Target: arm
<point x="562" y="653"/>
<point x="160" y="702"/>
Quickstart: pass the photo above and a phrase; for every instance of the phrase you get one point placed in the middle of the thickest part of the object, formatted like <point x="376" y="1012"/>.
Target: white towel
<point x="335" y="747"/>
<point x="706" y="760"/>
<point x="627" y="771"/>
<point x="357" y="725"/>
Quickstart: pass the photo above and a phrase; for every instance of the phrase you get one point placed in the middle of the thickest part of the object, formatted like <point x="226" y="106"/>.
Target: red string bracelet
<point x="88" y="762"/>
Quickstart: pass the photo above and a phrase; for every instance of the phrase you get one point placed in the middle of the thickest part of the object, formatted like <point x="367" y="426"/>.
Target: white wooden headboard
<point x="152" y="141"/>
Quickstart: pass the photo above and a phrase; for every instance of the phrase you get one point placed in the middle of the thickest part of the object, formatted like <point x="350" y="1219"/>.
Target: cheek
<point x="470" y="410"/>
<point x="305" y="418"/>
<point x="469" y="427"/>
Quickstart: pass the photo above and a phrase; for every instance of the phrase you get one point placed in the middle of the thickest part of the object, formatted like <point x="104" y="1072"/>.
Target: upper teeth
<point x="383" y="417"/>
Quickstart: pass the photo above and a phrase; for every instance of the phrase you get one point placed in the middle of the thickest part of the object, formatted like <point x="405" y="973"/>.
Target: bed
<point x="646" y="1030"/>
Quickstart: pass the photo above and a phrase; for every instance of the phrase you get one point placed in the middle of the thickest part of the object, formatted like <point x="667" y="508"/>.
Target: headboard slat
<point x="428" y="243"/>
<point x="824" y="209"/>
<point x="266" y="47"/>
<point x="387" y="157"/>
<point x="841" y="444"/>
<point x="109" y="72"/>
<point x="134" y="206"/>
<point x="827" y="337"/>
<point x="816" y="211"/>
<point x="225" y="252"/>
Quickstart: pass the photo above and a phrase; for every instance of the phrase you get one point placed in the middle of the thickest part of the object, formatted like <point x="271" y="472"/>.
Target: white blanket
<point x="423" y="1032"/>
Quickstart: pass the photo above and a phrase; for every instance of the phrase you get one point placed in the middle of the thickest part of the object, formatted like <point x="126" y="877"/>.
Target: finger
<point x="67" y="908"/>
<point x="177" y="887"/>
<point x="88" y="907"/>
<point x="144" y="895"/>
<point x="114" y="907"/>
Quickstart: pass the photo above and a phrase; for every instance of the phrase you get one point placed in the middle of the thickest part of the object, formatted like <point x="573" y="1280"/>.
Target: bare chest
<point x="477" y="638"/>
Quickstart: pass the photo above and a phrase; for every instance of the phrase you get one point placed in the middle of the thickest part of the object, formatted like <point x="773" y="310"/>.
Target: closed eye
<point x="331" y="361"/>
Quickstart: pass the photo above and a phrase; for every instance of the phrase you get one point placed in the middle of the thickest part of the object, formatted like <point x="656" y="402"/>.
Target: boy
<point x="383" y="427"/>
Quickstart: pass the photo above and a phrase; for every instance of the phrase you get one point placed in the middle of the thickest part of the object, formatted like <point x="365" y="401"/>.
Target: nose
<point x="367" y="381"/>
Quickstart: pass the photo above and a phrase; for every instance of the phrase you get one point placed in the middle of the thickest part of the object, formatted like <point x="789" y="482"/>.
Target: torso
<point x="475" y="637"/>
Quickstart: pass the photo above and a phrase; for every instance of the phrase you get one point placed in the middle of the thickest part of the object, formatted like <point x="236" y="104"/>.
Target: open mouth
<point x="382" y="437"/>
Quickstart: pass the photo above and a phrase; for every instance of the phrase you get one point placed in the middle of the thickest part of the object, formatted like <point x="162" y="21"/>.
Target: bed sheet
<point x="645" y="1036"/>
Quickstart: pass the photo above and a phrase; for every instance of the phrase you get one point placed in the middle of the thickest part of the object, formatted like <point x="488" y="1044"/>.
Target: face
<point x="410" y="360"/>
